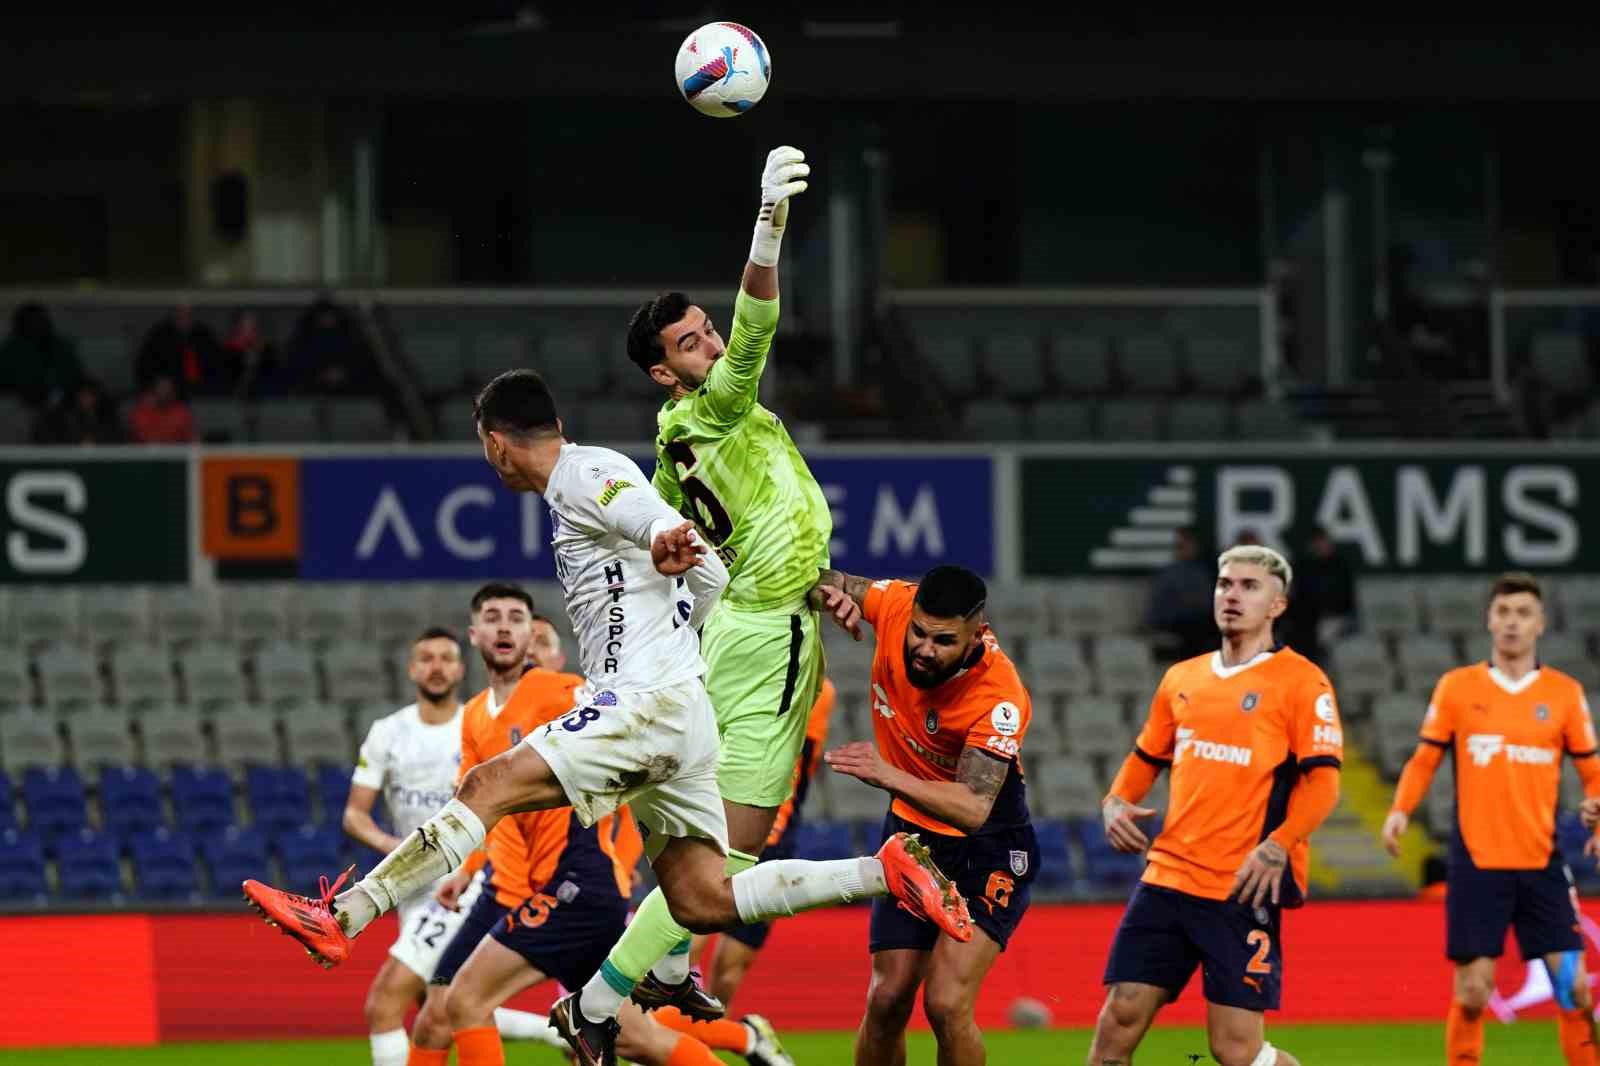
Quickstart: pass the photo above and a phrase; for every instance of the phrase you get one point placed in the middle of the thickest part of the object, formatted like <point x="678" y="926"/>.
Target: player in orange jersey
<point x="1251" y="737"/>
<point x="950" y="713"/>
<point x="1507" y="723"/>
<point x="507" y="635"/>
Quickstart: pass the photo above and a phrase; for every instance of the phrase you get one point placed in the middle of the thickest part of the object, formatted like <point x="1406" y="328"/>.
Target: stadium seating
<point x="101" y="737"/>
<point x="8" y="812"/>
<point x="185" y="615"/>
<point x="68" y="680"/>
<point x="824" y="840"/>
<point x="1055" y="865"/>
<point x="30" y="738"/>
<point x="141" y="676"/>
<point x="212" y="676"/>
<point x="1103" y="865"/>
<point x="87" y="865"/>
<point x="308" y="852"/>
<point x="286" y="675"/>
<point x="333" y="789"/>
<point x="130" y="801"/>
<point x="16" y="684"/>
<point x="234" y="855"/>
<point x="163" y="865"/>
<point x="55" y="802"/>
<point x="22" y="871"/>
<point x="280" y="797"/>
<point x="172" y="738"/>
<point x="246" y="736"/>
<point x="202" y="799"/>
<point x="113" y="614"/>
<point x="316" y="735"/>
<point x="355" y="677"/>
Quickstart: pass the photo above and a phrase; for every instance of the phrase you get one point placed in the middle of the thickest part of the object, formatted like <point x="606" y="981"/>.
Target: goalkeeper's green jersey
<point x="726" y="463"/>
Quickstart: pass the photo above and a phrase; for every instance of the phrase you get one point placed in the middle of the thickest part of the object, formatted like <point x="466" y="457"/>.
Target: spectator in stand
<point x="85" y="416"/>
<point x="250" y="352"/>
<point x="36" y="362"/>
<point x="161" y="416"/>
<point x="1180" y="607"/>
<point x="328" y="354"/>
<point x="1324" y="604"/>
<point x="184" y="349"/>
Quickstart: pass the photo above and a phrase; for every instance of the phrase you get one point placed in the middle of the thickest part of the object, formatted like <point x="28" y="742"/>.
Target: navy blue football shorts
<point x="568" y="934"/>
<point x="1539" y="905"/>
<point x="994" y="871"/>
<point x="1165" y="934"/>
<point x="481" y="919"/>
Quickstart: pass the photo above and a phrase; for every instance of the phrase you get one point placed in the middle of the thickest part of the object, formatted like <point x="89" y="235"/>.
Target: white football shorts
<point x="655" y="751"/>
<point x="426" y="928"/>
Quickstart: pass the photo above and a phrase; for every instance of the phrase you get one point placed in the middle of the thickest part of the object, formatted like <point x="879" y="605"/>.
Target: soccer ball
<point x="723" y="69"/>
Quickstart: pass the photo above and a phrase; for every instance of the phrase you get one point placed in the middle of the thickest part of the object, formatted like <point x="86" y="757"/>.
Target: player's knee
<point x="947" y="1006"/>
<point x="1233" y="1050"/>
<point x="431" y="1030"/>
<point x="705" y="910"/>
<point x="889" y="1002"/>
<point x="461" y="1010"/>
<point x="1122" y="1012"/>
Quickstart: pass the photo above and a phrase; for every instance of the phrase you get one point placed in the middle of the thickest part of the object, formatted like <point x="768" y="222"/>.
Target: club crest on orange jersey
<point x="1249" y="702"/>
<point x="516" y="735"/>
<point x="1541" y="712"/>
<point x="931" y="722"/>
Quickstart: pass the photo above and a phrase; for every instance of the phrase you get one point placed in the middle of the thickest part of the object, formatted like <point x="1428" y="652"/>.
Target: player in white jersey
<point x="411" y="758"/>
<point x="643" y="732"/>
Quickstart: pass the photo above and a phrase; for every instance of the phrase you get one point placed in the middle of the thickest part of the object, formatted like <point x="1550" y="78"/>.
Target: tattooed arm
<point x="964" y="803"/>
<point x="841" y="595"/>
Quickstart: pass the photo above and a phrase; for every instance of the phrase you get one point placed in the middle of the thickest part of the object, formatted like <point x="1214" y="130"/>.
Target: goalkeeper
<point x="728" y="465"/>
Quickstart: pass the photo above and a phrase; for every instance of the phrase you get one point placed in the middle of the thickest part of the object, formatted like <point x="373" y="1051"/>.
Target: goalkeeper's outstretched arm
<point x="783" y="177"/>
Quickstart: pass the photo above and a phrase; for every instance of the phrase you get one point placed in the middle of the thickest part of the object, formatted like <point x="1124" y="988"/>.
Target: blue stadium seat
<point x="234" y="855"/>
<point x="8" y="807"/>
<point x="21" y="866"/>
<point x="88" y="864"/>
<point x="1055" y="866"/>
<point x="824" y="840"/>
<point x="55" y="801"/>
<point x="130" y="797"/>
<point x="202" y="798"/>
<point x="163" y="865"/>
<point x="280" y="797"/>
<point x="333" y="787"/>
<point x="308" y="853"/>
<point x="1102" y="865"/>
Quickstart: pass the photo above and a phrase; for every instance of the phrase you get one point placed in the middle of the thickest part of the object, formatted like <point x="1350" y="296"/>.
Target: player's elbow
<point x="972" y="817"/>
<point x="351" y="822"/>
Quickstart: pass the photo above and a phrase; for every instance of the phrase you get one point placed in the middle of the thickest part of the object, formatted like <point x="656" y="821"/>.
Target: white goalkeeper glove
<point x="783" y="177"/>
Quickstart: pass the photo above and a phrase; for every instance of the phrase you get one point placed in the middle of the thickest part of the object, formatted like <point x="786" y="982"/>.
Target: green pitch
<point x="1315" y="1045"/>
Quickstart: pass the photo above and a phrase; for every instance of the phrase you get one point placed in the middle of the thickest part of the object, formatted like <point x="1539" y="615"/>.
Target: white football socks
<point x="782" y="888"/>
<point x="526" y="1025"/>
<point x="441" y="844"/>
<point x="391" y="1048"/>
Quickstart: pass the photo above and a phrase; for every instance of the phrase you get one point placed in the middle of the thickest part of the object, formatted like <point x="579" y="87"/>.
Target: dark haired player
<point x="642" y="734"/>
<point x="729" y="465"/>
<point x="949" y="716"/>
<point x="1507" y="722"/>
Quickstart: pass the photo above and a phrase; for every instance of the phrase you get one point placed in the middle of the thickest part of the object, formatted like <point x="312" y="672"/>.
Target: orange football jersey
<point x="1237" y="740"/>
<point x="925" y="731"/>
<point x="805" y="768"/>
<point x="1508" y="738"/>
<point x="487" y="731"/>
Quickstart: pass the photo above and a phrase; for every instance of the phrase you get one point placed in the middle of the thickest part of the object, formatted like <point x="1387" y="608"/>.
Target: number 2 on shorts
<point x="1263" y="945"/>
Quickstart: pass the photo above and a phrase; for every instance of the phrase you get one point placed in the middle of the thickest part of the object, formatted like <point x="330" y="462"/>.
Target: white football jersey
<point x="636" y="628"/>
<point x="413" y="764"/>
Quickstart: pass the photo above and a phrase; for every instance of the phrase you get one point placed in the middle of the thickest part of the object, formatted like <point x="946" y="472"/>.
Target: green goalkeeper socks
<point x="650" y="938"/>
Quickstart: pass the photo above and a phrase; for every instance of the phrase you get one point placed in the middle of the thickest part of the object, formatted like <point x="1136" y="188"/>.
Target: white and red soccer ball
<point x="723" y="69"/>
